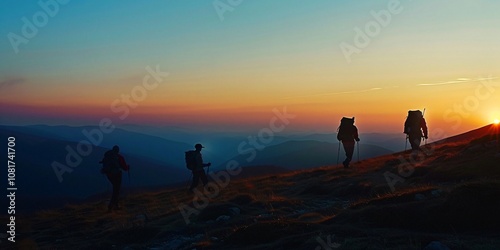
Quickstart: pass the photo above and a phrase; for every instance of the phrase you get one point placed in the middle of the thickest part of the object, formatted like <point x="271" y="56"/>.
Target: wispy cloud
<point x="458" y="81"/>
<point x="12" y="81"/>
<point x="485" y="78"/>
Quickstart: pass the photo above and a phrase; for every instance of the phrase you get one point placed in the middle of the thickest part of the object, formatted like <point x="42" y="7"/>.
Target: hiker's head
<point x="198" y="147"/>
<point x="116" y="149"/>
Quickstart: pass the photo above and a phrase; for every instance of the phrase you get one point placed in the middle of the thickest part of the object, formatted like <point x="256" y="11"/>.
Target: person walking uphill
<point x="194" y="162"/>
<point x="415" y="128"/>
<point x="347" y="134"/>
<point x="113" y="162"/>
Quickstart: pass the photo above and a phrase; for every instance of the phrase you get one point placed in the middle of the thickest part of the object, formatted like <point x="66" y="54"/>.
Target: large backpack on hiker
<point x="190" y="159"/>
<point x="110" y="163"/>
<point x="345" y="129"/>
<point x="413" y="122"/>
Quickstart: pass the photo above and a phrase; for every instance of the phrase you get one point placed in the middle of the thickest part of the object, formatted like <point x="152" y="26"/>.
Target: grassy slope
<point x="458" y="181"/>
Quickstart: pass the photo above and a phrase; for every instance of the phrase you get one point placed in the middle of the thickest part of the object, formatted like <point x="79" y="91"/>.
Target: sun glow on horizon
<point x="496" y="121"/>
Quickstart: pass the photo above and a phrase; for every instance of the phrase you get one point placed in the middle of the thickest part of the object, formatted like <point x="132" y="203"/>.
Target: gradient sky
<point x="230" y="73"/>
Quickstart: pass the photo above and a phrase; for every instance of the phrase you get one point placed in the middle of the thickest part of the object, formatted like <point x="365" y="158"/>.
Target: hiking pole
<point x="358" y="150"/>
<point x="423" y="115"/>
<point x="338" y="153"/>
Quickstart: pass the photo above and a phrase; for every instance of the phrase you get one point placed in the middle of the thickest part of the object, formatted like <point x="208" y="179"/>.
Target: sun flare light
<point x="496" y="121"/>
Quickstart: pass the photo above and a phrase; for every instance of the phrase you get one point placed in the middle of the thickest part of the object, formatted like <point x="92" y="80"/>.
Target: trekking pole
<point x="107" y="185"/>
<point x="423" y="115"/>
<point x="338" y="153"/>
<point x="208" y="169"/>
<point x="358" y="150"/>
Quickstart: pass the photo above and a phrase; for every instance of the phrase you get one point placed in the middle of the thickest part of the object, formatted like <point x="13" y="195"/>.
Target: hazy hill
<point x="226" y="144"/>
<point x="167" y="152"/>
<point x="165" y="145"/>
<point x="390" y="141"/>
<point x="222" y="145"/>
<point x="295" y="155"/>
<point x="37" y="180"/>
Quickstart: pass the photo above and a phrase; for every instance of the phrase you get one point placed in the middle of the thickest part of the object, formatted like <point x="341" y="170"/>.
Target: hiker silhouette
<point x="415" y="129"/>
<point x="112" y="163"/>
<point x="347" y="133"/>
<point x="194" y="161"/>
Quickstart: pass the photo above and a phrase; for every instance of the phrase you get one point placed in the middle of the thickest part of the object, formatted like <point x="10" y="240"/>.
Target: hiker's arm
<point x="123" y="164"/>
<point x="355" y="134"/>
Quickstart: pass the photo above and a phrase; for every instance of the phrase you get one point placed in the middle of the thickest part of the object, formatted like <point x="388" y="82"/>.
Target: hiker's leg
<point x="111" y="179"/>
<point x="203" y="177"/>
<point x="349" y="150"/>
<point x="196" y="177"/>
<point x="115" y="180"/>
<point x="415" y="141"/>
<point x="118" y="188"/>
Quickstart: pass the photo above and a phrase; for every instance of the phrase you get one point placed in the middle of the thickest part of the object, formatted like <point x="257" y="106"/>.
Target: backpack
<point x="345" y="129"/>
<point x="110" y="162"/>
<point x="190" y="159"/>
<point x="413" y="121"/>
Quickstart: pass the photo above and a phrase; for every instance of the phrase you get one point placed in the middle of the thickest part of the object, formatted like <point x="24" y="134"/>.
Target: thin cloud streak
<point x="11" y="82"/>
<point x="458" y="81"/>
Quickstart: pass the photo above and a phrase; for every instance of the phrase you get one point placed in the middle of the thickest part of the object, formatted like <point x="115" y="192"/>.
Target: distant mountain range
<point x="391" y="141"/>
<point x="226" y="143"/>
<point x="164" y="151"/>
<point x="37" y="180"/>
<point x="155" y="160"/>
<point x="294" y="155"/>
